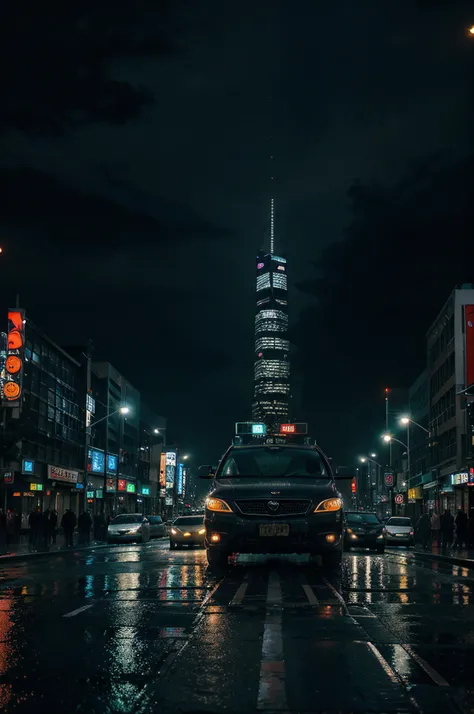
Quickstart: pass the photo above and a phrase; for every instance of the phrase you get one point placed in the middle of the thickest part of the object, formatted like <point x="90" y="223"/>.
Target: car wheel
<point x="332" y="560"/>
<point x="217" y="558"/>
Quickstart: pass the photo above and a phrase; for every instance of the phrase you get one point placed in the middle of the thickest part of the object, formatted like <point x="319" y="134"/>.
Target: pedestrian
<point x="10" y="527"/>
<point x="68" y="524"/>
<point x="3" y="532"/>
<point x="34" y="522"/>
<point x="16" y="526"/>
<point x="84" y="524"/>
<point x="446" y="528"/>
<point x="461" y="529"/>
<point x="423" y="530"/>
<point x="97" y="527"/>
<point x="53" y="525"/>
<point x="435" y="528"/>
<point x="45" y="526"/>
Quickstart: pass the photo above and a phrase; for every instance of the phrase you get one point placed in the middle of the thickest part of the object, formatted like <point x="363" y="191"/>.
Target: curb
<point x="462" y="562"/>
<point x="8" y="558"/>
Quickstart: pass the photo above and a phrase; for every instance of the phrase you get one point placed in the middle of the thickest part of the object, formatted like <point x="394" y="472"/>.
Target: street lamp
<point x="406" y="421"/>
<point x="185" y="457"/>
<point x="388" y="438"/>
<point x="121" y="410"/>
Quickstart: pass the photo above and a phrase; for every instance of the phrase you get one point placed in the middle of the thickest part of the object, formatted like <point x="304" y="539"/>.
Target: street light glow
<point x="373" y="456"/>
<point x="186" y="456"/>
<point x="387" y="438"/>
<point x="405" y="420"/>
<point x="124" y="410"/>
<point x="362" y="459"/>
<point x="156" y="431"/>
<point x="471" y="30"/>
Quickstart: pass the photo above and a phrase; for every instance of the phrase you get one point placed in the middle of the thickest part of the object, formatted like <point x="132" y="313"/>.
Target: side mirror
<point x="207" y="471"/>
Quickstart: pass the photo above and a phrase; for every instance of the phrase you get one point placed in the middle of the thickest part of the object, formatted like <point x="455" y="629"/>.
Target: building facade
<point x="449" y="369"/>
<point x="42" y="443"/>
<point x="271" y="401"/>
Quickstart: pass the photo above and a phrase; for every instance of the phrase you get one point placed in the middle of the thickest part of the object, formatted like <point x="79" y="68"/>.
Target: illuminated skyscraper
<point x="272" y="348"/>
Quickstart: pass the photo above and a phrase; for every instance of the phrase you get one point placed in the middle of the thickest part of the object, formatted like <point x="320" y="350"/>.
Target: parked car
<point x="399" y="531"/>
<point x="129" y="527"/>
<point x="168" y="525"/>
<point x="157" y="527"/>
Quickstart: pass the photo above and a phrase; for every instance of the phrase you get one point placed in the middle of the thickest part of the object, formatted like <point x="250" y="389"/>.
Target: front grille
<point x="286" y="507"/>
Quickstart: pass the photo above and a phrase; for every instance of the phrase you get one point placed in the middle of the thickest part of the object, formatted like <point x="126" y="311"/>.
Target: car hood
<point x="114" y="527"/>
<point x="189" y="529"/>
<point x="365" y="527"/>
<point x="254" y="488"/>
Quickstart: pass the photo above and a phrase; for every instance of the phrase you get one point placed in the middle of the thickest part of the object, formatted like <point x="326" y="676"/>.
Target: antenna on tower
<point x="272" y="225"/>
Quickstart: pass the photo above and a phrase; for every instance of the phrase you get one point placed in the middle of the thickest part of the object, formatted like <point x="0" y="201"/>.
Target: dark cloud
<point x="140" y="137"/>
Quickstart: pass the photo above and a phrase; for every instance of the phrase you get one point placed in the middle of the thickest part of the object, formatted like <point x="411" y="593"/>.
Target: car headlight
<point x="217" y="505"/>
<point x="202" y="531"/>
<point x="187" y="534"/>
<point x="380" y="536"/>
<point x="330" y="504"/>
<point x="349" y="530"/>
<point x="174" y="531"/>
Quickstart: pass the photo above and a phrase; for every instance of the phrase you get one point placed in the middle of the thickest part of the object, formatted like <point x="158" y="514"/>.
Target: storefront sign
<point x="162" y="470"/>
<point x="162" y="492"/>
<point x="388" y="478"/>
<point x="27" y="467"/>
<point x="110" y="485"/>
<point x="55" y="473"/>
<point x="95" y="461"/>
<point x="9" y="477"/>
<point x="99" y="493"/>
<point x="459" y="479"/>
<point x="145" y="491"/>
<point x="79" y="485"/>
<point x="169" y="501"/>
<point x="179" y="484"/>
<point x="112" y="462"/>
<point x="130" y="488"/>
<point x="16" y="494"/>
<point x="14" y="362"/>
<point x="122" y="484"/>
<point x="36" y="486"/>
<point x="90" y="494"/>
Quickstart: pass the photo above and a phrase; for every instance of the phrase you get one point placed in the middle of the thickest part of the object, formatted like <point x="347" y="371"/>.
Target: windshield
<point x="362" y="518"/>
<point x="189" y="521"/>
<point x="399" y="522"/>
<point x="128" y="518"/>
<point x="273" y="461"/>
<point x="155" y="519"/>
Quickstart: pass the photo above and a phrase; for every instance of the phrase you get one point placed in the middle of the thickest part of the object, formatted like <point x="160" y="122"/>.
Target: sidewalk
<point x="456" y="556"/>
<point x="22" y="550"/>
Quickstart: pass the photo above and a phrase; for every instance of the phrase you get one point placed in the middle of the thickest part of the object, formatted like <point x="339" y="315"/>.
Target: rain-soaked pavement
<point x="141" y="629"/>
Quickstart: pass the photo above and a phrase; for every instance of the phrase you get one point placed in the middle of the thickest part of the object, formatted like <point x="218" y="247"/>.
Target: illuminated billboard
<point x="95" y="461"/>
<point x="162" y="470"/>
<point x="14" y="362"/>
<point x="170" y="475"/>
<point x="112" y="463"/>
<point x="179" y="482"/>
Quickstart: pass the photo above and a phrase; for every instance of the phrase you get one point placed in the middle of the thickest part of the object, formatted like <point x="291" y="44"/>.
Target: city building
<point x="42" y="442"/>
<point x="271" y="401"/>
<point x="450" y="369"/>
<point x="120" y="437"/>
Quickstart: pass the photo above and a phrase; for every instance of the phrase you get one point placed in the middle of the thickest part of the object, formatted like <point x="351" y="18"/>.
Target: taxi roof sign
<point x="250" y="428"/>
<point x="295" y="428"/>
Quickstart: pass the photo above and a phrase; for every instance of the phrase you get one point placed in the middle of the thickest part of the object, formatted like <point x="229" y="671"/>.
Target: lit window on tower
<point x="272" y="343"/>
<point x="279" y="281"/>
<point x="263" y="281"/>
<point x="272" y="368"/>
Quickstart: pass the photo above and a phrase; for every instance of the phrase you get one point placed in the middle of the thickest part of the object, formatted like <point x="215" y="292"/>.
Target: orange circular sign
<point x="13" y="364"/>
<point x="11" y="390"/>
<point x="15" y="340"/>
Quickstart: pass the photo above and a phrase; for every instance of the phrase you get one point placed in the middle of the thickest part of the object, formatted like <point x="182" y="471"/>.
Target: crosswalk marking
<point x="239" y="595"/>
<point x="309" y="592"/>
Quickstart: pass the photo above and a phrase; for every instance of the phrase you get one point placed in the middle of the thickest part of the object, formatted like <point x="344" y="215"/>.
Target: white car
<point x="129" y="527"/>
<point x="399" y="531"/>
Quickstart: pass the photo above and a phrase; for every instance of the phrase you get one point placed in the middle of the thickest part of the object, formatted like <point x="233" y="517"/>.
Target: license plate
<point x="401" y="535"/>
<point x="275" y="529"/>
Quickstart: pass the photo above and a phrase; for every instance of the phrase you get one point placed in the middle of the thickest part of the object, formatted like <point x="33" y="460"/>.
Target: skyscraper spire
<point x="272" y="226"/>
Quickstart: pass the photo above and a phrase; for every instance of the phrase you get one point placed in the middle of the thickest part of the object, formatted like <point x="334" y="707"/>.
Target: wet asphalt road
<point x="141" y="629"/>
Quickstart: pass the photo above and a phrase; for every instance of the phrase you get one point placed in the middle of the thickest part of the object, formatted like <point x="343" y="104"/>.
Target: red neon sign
<point x="287" y="428"/>
<point x="353" y="486"/>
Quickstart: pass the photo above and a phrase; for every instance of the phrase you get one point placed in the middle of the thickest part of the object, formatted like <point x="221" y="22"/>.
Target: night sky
<point x="135" y="184"/>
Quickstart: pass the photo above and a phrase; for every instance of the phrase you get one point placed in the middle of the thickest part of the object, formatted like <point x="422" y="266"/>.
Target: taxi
<point x="273" y="493"/>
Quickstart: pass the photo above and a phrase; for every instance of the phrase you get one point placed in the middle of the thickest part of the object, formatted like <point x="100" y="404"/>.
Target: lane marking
<point x="309" y="592"/>
<point x="78" y="611"/>
<point x="239" y="595"/>
<point x="383" y="663"/>
<point x="271" y="688"/>
<point x="437" y="678"/>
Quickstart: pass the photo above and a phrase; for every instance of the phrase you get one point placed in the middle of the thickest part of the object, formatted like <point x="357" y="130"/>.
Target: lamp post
<point x="371" y="460"/>
<point x="123" y="411"/>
